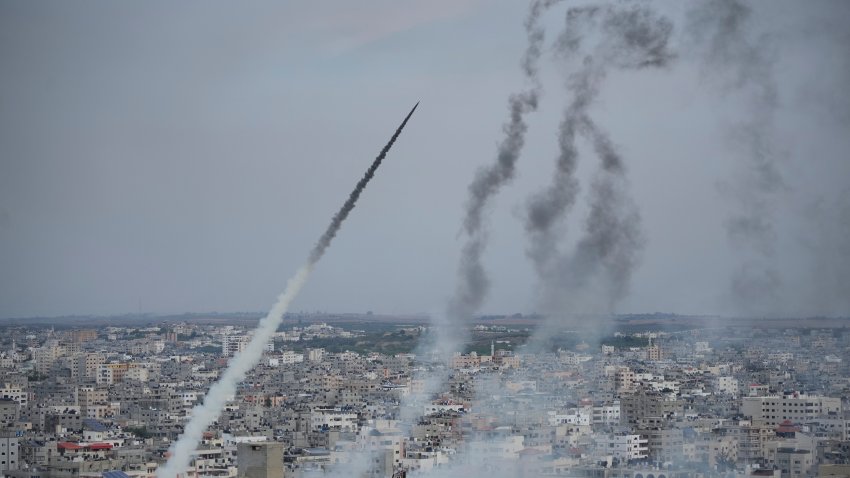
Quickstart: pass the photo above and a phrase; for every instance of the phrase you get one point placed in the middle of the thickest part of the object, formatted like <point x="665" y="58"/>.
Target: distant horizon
<point x="421" y="315"/>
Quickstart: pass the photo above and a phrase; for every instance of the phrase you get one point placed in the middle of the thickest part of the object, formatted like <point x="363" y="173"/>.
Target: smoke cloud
<point x="206" y="413"/>
<point x="473" y="283"/>
<point x="596" y="40"/>
<point x="448" y="334"/>
<point x="718" y="33"/>
<point x="827" y="229"/>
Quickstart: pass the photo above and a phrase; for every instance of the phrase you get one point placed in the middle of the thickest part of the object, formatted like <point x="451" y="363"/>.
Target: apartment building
<point x="773" y="410"/>
<point x="623" y="446"/>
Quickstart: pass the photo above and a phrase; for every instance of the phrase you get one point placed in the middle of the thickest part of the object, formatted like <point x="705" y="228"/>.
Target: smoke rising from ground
<point x="448" y="332"/>
<point x="206" y="413"/>
<point x="472" y="281"/>
<point x="719" y="34"/>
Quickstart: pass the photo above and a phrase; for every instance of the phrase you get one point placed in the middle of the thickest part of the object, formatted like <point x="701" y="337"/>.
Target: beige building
<point x="624" y="380"/>
<point x="470" y="360"/>
<point x="88" y="364"/>
<point x="14" y="392"/>
<point x="653" y="353"/>
<point x="83" y="335"/>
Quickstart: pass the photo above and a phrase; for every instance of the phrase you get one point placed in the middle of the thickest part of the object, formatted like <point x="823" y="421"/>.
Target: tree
<point x="724" y="462"/>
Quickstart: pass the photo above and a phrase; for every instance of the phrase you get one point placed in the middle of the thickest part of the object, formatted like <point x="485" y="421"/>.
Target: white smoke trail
<point x="205" y="414"/>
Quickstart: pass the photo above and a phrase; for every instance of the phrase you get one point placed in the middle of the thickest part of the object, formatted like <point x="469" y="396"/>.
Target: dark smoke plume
<point x="326" y="238"/>
<point x="473" y="283"/>
<point x="613" y="235"/>
<point x="717" y="32"/>
<point x="596" y="40"/>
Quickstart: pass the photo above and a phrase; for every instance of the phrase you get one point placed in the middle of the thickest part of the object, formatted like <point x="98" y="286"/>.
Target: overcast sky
<point x="184" y="157"/>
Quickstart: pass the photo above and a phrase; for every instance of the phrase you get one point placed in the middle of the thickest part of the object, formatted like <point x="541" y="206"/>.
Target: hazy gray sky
<point x="185" y="156"/>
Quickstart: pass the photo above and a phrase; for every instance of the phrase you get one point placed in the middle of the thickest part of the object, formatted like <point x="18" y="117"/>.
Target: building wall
<point x="9" y="453"/>
<point x="773" y="410"/>
<point x="260" y="460"/>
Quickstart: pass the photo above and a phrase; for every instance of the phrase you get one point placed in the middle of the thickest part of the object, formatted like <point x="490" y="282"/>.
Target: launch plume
<point x="325" y="241"/>
<point x="718" y="33"/>
<point x="473" y="283"/>
<point x="595" y="41"/>
<point x="206" y="413"/>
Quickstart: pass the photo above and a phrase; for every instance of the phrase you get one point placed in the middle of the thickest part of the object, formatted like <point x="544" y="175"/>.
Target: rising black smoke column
<point x="205" y="414"/>
<point x="473" y="284"/>
<point x="596" y="40"/>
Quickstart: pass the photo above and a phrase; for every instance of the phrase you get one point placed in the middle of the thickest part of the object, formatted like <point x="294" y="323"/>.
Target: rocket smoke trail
<point x="628" y="38"/>
<point x="325" y="241"/>
<point x="473" y="283"/>
<point x="205" y="414"/>
<point x="718" y="33"/>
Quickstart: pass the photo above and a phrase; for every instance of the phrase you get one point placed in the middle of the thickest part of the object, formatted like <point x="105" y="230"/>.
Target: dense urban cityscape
<point x="400" y="239"/>
<point x="655" y="399"/>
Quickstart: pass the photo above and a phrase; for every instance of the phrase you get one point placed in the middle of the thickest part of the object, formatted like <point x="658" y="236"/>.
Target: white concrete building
<point x="624" y="446"/>
<point x="333" y="419"/>
<point x="726" y="385"/>
<point x="797" y="407"/>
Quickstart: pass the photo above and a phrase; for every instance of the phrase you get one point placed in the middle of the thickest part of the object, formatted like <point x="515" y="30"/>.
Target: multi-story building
<point x="623" y="446"/>
<point x="333" y="419"/>
<point x="315" y="355"/>
<point x="8" y="412"/>
<point x="9" y="453"/>
<point x="14" y="392"/>
<point x="773" y="410"/>
<point x="726" y="385"/>
<point x="647" y="404"/>
<point x="233" y="344"/>
<point x="88" y="365"/>
<point x="794" y="462"/>
<point x="470" y="360"/>
<point x="654" y="353"/>
<point x="45" y="357"/>
<point x="665" y="444"/>
<point x="718" y="451"/>
<point x="624" y="380"/>
<point x="81" y="336"/>
<point x="110" y="373"/>
<point x="260" y="459"/>
<point x="606" y="414"/>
